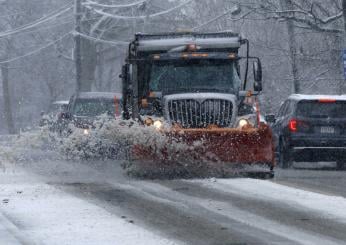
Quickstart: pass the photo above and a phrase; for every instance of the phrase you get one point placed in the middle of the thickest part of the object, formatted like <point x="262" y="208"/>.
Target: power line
<point x="9" y="15"/>
<point x="114" y="42"/>
<point x="92" y="3"/>
<point x="46" y="27"/>
<point x="142" y="16"/>
<point x="220" y="16"/>
<point x="55" y="25"/>
<point x="36" y="50"/>
<point x="35" y="23"/>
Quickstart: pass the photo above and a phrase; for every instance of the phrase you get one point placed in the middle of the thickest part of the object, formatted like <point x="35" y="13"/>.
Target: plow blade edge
<point x="224" y="145"/>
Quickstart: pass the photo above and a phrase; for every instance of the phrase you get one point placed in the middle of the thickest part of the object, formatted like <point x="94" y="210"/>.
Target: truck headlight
<point x="158" y="124"/>
<point x="243" y="122"/>
<point x="86" y="131"/>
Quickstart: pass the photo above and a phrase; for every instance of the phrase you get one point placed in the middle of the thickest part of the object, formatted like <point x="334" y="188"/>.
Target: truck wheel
<point x="285" y="159"/>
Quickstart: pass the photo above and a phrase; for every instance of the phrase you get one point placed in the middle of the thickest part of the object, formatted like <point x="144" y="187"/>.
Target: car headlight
<point x="86" y="131"/>
<point x="148" y="121"/>
<point x="158" y="124"/>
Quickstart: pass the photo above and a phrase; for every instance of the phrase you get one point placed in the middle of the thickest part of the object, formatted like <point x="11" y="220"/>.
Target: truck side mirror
<point x="124" y="71"/>
<point x="257" y="72"/>
<point x="270" y="118"/>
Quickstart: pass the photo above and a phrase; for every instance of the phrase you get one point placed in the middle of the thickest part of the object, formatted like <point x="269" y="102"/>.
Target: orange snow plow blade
<point x="215" y="146"/>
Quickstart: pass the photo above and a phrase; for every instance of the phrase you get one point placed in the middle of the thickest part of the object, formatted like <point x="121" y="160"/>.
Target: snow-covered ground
<point x="325" y="205"/>
<point x="38" y="213"/>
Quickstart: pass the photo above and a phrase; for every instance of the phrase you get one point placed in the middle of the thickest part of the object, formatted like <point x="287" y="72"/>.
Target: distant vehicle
<point x="84" y="108"/>
<point x="311" y="128"/>
<point x="50" y="117"/>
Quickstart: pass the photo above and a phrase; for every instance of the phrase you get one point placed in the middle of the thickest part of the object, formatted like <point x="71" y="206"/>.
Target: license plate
<point x="327" y="130"/>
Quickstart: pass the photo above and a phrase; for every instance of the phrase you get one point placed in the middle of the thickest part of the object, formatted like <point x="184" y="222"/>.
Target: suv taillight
<point x="292" y="125"/>
<point x="295" y="125"/>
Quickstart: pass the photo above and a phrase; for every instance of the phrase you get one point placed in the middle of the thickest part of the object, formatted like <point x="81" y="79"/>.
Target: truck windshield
<point x="321" y="110"/>
<point x="93" y="107"/>
<point x="194" y="76"/>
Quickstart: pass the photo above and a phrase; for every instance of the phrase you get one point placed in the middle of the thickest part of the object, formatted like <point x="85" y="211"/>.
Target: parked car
<point x="84" y="108"/>
<point x="310" y="128"/>
<point x="51" y="117"/>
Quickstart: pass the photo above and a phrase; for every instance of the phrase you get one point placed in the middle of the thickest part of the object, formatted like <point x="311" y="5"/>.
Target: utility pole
<point x="7" y="99"/>
<point x="85" y="53"/>
<point x="344" y="15"/>
<point x="292" y="45"/>
<point x="343" y="86"/>
<point x="77" y="48"/>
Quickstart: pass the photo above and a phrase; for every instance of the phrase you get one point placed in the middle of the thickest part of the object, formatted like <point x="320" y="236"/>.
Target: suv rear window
<point x="318" y="109"/>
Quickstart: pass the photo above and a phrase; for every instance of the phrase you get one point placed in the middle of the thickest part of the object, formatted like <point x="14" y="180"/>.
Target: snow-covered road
<point x="69" y="202"/>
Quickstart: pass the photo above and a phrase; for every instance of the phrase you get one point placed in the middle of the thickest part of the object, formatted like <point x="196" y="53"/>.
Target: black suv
<point x="311" y="128"/>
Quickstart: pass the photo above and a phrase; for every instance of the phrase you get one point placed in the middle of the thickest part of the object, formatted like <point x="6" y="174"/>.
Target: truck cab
<point x="190" y="80"/>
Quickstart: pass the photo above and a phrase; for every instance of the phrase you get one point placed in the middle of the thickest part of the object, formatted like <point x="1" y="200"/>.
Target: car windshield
<point x="322" y="110"/>
<point x="93" y="107"/>
<point x="194" y="76"/>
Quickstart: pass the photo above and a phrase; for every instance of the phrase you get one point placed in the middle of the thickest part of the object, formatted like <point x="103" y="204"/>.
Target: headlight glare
<point x="86" y="131"/>
<point x="243" y="122"/>
<point x="158" y="124"/>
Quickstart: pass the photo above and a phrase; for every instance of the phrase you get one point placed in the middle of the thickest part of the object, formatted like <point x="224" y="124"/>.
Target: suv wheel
<point x="285" y="159"/>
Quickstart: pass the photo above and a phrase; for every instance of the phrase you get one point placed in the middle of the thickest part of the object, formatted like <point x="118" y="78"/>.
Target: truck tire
<point x="285" y="156"/>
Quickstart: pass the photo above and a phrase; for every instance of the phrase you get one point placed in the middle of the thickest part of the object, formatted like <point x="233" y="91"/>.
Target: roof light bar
<point x="327" y="100"/>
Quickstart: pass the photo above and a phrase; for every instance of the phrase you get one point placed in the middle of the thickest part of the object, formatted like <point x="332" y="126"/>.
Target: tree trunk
<point x="342" y="87"/>
<point x="344" y="14"/>
<point x="7" y="99"/>
<point x="292" y="46"/>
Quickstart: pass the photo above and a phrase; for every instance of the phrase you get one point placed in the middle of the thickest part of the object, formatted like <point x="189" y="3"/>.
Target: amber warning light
<point x="192" y="47"/>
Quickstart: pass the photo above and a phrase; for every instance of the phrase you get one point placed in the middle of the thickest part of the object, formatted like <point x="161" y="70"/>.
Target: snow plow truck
<point x="193" y="88"/>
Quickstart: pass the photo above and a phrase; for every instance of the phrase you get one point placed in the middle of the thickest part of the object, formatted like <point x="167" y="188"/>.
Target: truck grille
<point x="190" y="113"/>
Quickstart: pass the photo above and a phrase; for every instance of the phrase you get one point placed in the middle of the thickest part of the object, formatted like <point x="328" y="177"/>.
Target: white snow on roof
<point x="60" y="102"/>
<point x="92" y="95"/>
<point x="204" y="43"/>
<point x="316" y="97"/>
